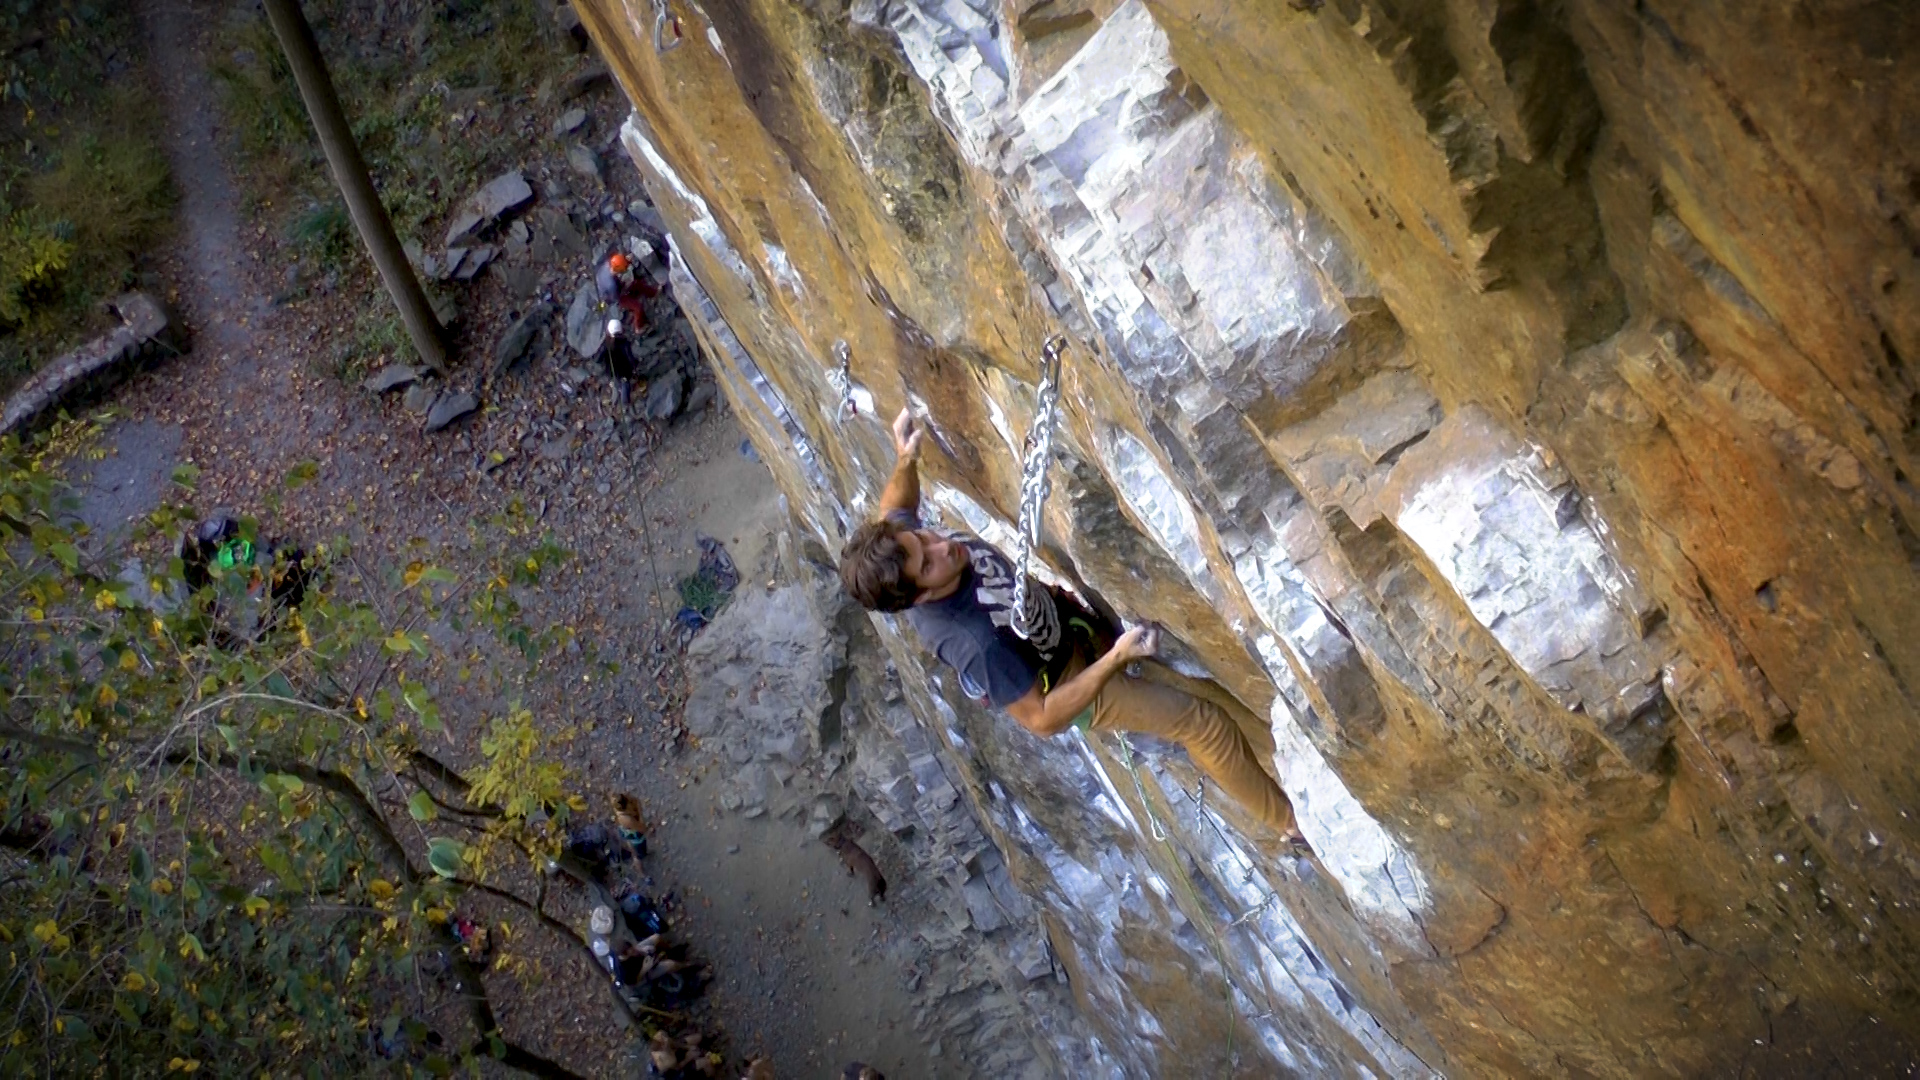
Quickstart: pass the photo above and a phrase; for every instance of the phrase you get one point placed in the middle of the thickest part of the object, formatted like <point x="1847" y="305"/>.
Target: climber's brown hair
<point x="873" y="567"/>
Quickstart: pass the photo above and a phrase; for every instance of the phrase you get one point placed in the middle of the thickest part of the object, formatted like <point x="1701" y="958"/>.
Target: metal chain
<point x="841" y="379"/>
<point x="660" y="18"/>
<point x="1034" y="482"/>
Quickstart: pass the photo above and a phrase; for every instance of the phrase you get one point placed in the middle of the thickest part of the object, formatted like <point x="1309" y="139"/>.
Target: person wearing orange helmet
<point x="619" y="283"/>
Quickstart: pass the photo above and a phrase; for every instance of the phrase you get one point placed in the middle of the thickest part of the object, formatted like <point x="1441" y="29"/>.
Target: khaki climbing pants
<point x="1210" y="735"/>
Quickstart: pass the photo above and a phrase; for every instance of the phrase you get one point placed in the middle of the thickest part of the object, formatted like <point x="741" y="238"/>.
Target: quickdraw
<point x="841" y="379"/>
<point x="1034" y="482"/>
<point x="661" y="17"/>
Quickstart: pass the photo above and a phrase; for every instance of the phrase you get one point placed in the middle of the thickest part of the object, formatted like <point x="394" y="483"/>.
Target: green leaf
<point x="186" y="475"/>
<point x="228" y="733"/>
<point x="282" y="784"/>
<point x="276" y="859"/>
<point x="417" y="699"/>
<point x="421" y="807"/>
<point x="445" y="856"/>
<point x="68" y="555"/>
<point x="139" y="865"/>
<point x="299" y="475"/>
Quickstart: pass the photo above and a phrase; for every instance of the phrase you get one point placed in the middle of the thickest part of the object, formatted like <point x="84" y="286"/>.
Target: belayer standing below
<point x="957" y="591"/>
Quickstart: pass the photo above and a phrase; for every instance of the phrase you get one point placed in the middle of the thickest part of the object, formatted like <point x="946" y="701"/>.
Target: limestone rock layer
<point x="1505" y="400"/>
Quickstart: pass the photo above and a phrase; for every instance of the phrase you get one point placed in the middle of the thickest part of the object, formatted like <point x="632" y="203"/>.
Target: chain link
<point x="1034" y="482"/>
<point x="661" y="16"/>
<point x="841" y="379"/>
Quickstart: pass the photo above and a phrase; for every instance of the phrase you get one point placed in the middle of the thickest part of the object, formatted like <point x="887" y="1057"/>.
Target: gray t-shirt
<point x="971" y="631"/>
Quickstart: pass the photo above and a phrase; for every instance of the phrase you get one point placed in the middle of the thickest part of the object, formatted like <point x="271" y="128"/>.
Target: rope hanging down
<point x="1034" y="482"/>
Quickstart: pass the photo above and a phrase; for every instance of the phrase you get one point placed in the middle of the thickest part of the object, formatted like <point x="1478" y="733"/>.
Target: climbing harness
<point x="841" y="379"/>
<point x="661" y="17"/>
<point x="1140" y="789"/>
<point x="1033" y="478"/>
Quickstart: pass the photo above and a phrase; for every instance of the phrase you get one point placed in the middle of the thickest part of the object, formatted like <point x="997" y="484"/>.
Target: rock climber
<point x="619" y="283"/>
<point x="957" y="592"/>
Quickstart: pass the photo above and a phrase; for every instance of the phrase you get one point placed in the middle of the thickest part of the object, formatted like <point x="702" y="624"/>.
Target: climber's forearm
<point x="1051" y="713"/>
<point x="903" y="488"/>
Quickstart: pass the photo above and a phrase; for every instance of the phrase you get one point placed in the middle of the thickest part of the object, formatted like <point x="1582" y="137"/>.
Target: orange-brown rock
<point x="1509" y="401"/>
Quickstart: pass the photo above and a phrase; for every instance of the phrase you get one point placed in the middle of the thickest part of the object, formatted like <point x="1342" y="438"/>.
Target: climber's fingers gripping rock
<point x="906" y="435"/>
<point x="1139" y="643"/>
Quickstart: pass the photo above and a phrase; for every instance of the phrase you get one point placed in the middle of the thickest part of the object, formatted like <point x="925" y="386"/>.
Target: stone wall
<point x="1504" y="398"/>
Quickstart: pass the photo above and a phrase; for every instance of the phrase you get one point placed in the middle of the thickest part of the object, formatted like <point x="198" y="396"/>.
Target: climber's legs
<point x="1259" y="735"/>
<point x="1211" y="738"/>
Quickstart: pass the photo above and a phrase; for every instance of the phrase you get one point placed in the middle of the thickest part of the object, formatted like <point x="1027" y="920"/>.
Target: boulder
<point x="665" y="395"/>
<point x="585" y="332"/>
<point x="570" y="122"/>
<point x="393" y="377"/>
<point x="590" y="78"/>
<point x="572" y="33"/>
<point x="513" y="344"/>
<point x="501" y="196"/>
<point x="450" y="407"/>
<point x="585" y="162"/>
<point x="476" y="261"/>
<point x="419" y="398"/>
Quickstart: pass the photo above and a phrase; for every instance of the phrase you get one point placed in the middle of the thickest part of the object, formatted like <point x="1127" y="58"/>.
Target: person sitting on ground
<point x="957" y="592"/>
<point x="620" y="283"/>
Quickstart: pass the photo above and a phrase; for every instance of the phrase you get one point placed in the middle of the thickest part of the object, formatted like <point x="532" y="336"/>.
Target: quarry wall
<point x="1506" y="399"/>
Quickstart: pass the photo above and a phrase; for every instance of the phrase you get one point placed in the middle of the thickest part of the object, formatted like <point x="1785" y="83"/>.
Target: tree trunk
<point x="356" y="187"/>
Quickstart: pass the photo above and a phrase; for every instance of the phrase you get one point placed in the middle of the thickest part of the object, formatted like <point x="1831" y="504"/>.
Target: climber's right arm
<point x="1049" y="714"/>
<point x="903" y="487"/>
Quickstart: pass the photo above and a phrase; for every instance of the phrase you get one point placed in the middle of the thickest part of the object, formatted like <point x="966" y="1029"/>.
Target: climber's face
<point x="934" y="562"/>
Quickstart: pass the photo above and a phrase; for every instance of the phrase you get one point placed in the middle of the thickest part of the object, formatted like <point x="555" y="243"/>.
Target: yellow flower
<point x="134" y="982"/>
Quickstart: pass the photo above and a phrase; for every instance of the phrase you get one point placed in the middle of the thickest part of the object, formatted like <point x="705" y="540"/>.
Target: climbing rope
<point x="1140" y="789"/>
<point x="841" y="379"/>
<point x="661" y="17"/>
<point x="1033" y="478"/>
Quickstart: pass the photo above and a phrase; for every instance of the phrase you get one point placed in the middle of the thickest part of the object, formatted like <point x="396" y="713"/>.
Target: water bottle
<point x="601" y="925"/>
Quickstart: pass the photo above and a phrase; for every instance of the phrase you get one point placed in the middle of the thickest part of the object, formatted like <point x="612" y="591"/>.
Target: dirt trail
<point x="244" y="405"/>
<point x="221" y="303"/>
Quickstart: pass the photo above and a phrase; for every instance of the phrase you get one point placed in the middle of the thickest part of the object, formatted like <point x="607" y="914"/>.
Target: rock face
<point x="1508" y="402"/>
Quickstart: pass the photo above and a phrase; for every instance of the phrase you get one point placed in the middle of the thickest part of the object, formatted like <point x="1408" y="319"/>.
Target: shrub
<point x="113" y="184"/>
<point x="34" y="252"/>
<point x="325" y="234"/>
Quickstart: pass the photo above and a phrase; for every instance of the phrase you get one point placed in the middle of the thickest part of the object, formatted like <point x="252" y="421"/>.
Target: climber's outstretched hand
<point x="1138" y="643"/>
<point x="906" y="436"/>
